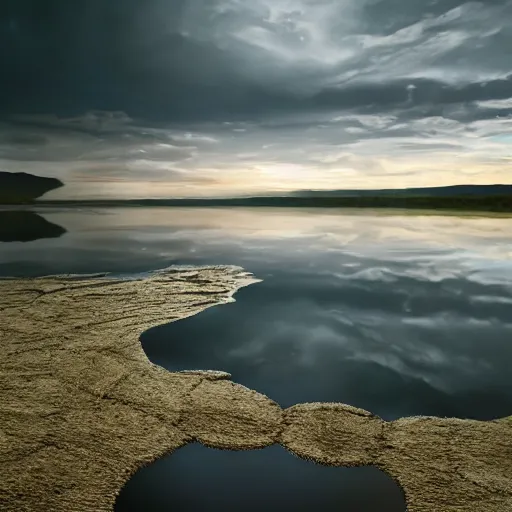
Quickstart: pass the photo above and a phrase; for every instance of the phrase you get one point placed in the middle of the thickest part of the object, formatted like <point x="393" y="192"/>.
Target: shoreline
<point x="86" y="409"/>
<point x="42" y="209"/>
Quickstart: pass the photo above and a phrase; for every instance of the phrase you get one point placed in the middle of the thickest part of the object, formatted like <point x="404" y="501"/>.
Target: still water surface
<point x="395" y="313"/>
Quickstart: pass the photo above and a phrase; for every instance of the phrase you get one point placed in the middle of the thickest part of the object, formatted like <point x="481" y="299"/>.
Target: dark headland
<point x="22" y="188"/>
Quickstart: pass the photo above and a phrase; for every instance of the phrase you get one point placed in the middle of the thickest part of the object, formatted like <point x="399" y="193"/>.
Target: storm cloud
<point x="231" y="96"/>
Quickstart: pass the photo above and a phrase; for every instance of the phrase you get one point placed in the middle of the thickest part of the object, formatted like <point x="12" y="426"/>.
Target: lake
<point x="400" y="314"/>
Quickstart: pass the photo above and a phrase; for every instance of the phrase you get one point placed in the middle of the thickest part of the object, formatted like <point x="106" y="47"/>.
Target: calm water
<point x="395" y="313"/>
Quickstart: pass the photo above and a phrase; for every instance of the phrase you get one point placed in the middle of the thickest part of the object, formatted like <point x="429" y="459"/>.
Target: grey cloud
<point x="23" y="139"/>
<point x="139" y="172"/>
<point x="99" y="147"/>
<point x="197" y="61"/>
<point x="195" y="90"/>
<point x="95" y="136"/>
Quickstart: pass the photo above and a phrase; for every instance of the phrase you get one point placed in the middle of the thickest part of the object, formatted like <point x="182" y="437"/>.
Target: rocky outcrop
<point x="83" y="408"/>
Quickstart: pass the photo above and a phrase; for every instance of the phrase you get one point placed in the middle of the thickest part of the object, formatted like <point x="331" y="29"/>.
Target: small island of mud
<point x="83" y="408"/>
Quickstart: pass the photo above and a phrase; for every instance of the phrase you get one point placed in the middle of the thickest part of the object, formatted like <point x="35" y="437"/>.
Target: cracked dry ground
<point x="82" y="407"/>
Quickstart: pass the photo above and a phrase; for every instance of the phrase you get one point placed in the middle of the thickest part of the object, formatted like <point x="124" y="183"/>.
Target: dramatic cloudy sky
<point x="132" y="98"/>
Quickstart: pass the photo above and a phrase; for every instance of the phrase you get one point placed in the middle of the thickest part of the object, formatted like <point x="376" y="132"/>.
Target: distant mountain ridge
<point x="484" y="203"/>
<point x="446" y="191"/>
<point x="21" y="187"/>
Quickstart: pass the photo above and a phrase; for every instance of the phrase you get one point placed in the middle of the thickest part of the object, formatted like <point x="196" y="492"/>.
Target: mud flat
<point x="83" y="408"/>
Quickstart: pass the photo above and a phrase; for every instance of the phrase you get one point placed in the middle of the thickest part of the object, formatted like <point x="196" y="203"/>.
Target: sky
<point x="179" y="98"/>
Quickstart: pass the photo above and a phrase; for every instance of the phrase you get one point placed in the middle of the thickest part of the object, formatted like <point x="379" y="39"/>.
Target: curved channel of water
<point x="306" y="337"/>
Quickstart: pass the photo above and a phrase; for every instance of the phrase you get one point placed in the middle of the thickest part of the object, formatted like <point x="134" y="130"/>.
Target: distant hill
<point x="21" y="187"/>
<point x="449" y="191"/>
<point x="484" y="203"/>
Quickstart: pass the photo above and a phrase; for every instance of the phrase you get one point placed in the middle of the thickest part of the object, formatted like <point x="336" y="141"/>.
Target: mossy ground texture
<point x="83" y="408"/>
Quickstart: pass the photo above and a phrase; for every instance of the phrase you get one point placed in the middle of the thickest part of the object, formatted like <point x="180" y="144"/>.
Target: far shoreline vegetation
<point x="502" y="204"/>
<point x="22" y="189"/>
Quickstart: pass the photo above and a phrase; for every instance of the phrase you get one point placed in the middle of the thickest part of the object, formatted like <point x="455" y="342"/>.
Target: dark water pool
<point x="398" y="350"/>
<point x="196" y="478"/>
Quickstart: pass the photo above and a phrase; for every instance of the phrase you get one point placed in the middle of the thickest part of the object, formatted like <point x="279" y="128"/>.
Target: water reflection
<point x="397" y="350"/>
<point x="140" y="239"/>
<point x="196" y="478"/>
<point x="26" y="226"/>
